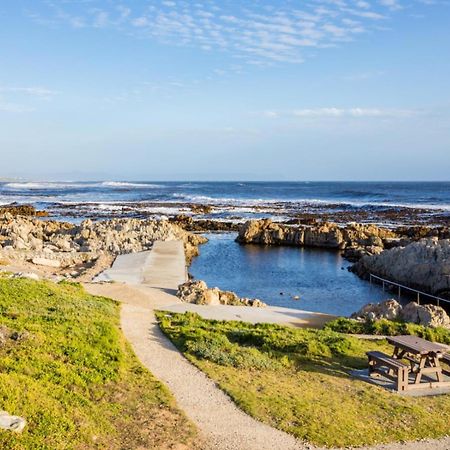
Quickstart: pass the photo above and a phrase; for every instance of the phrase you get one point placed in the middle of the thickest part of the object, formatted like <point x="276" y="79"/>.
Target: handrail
<point x="402" y="286"/>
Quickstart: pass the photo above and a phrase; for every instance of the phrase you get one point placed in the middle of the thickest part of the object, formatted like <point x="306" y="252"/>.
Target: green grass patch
<point x="386" y="327"/>
<point x="298" y="380"/>
<point x="67" y="369"/>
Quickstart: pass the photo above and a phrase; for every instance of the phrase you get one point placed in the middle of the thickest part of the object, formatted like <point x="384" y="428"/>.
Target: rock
<point x="201" y="209"/>
<point x="389" y="309"/>
<point x="21" y="210"/>
<point x="12" y="423"/>
<point x="364" y="239"/>
<point x="212" y="296"/>
<point x="197" y="292"/>
<point x="428" y="315"/>
<point x="26" y="238"/>
<point x="423" y="265"/>
<point x="46" y="262"/>
<point x="28" y="275"/>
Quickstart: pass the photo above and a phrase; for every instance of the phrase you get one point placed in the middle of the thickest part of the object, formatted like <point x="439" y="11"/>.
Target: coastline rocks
<point x="427" y="315"/>
<point x="21" y="210"/>
<point x="28" y="275"/>
<point x="188" y="223"/>
<point x="46" y="262"/>
<point x="359" y="239"/>
<point x="389" y="309"/>
<point x="424" y="265"/>
<point x="197" y="292"/>
<point x="60" y="245"/>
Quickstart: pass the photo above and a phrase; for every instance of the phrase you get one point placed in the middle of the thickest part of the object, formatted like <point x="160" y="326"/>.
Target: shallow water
<point x="276" y="274"/>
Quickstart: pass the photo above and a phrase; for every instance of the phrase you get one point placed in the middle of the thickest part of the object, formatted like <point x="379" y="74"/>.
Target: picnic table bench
<point x="423" y="359"/>
<point x="446" y="359"/>
<point x="384" y="365"/>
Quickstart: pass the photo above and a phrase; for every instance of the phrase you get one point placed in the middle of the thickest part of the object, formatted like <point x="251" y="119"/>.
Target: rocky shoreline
<point x="81" y="251"/>
<point x="416" y="256"/>
<point x="209" y="215"/>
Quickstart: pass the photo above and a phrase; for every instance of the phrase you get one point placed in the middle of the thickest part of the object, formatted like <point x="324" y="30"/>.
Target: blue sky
<point x="299" y="90"/>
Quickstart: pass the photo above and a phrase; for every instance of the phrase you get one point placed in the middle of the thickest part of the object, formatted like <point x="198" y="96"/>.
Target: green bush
<point x="246" y="345"/>
<point x="386" y="327"/>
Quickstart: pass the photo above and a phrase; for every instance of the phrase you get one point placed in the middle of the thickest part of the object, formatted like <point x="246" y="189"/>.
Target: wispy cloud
<point x="39" y="92"/>
<point x="256" y="32"/>
<point x="14" y="107"/>
<point x="334" y="112"/>
<point x="20" y="99"/>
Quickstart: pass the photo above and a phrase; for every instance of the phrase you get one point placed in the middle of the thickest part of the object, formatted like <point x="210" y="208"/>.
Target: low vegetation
<point x="299" y="381"/>
<point x="386" y="327"/>
<point x="67" y="369"/>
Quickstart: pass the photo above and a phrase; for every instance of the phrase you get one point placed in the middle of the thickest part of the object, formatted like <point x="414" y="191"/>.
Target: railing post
<point x="399" y="293"/>
<point x="418" y="297"/>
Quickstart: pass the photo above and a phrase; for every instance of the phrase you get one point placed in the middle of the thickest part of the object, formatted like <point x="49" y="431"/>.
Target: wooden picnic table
<point x="423" y="357"/>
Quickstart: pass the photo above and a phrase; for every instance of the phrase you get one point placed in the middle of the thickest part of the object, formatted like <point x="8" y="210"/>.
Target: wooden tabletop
<point x="417" y="345"/>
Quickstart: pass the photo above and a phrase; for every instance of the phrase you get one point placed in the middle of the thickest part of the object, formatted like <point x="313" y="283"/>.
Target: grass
<point x="298" y="380"/>
<point x="67" y="369"/>
<point x="386" y="327"/>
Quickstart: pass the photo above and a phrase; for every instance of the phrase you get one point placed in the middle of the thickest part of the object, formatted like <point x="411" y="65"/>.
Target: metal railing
<point x="401" y="286"/>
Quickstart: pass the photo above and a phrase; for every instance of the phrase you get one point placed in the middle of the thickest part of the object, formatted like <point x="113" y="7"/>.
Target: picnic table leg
<point x="403" y="379"/>
<point x="423" y="360"/>
<point x="398" y="354"/>
<point x="435" y="363"/>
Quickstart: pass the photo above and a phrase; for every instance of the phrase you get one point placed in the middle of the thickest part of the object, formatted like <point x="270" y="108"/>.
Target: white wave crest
<point x="44" y="185"/>
<point x="121" y="184"/>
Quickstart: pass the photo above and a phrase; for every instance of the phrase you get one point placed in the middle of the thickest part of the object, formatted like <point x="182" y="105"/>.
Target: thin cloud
<point x="14" y="108"/>
<point x="29" y="91"/>
<point x="257" y="33"/>
<point x="334" y="112"/>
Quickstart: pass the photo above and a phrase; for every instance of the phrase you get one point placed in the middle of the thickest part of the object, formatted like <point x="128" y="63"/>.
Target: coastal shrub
<point x="386" y="327"/>
<point x="218" y="349"/>
<point x="247" y="345"/>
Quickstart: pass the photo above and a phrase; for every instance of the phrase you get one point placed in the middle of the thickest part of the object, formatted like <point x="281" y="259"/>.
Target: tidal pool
<point x="278" y="274"/>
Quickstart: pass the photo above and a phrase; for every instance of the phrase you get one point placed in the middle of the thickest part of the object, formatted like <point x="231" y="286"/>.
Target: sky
<point x="225" y="90"/>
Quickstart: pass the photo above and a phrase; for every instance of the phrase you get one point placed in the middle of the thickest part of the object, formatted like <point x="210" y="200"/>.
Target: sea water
<point x="277" y="275"/>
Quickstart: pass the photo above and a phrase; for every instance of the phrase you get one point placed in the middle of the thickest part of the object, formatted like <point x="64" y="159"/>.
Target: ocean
<point x="230" y="200"/>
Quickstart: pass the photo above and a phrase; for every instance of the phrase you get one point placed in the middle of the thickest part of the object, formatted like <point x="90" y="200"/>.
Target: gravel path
<point x="222" y="425"/>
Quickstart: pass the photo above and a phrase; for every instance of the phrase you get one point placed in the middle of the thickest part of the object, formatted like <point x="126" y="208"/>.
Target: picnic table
<point x="424" y="358"/>
<point x="423" y="361"/>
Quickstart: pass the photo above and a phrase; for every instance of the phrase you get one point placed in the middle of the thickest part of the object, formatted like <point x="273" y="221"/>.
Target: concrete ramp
<point x="162" y="267"/>
<point x="166" y="266"/>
